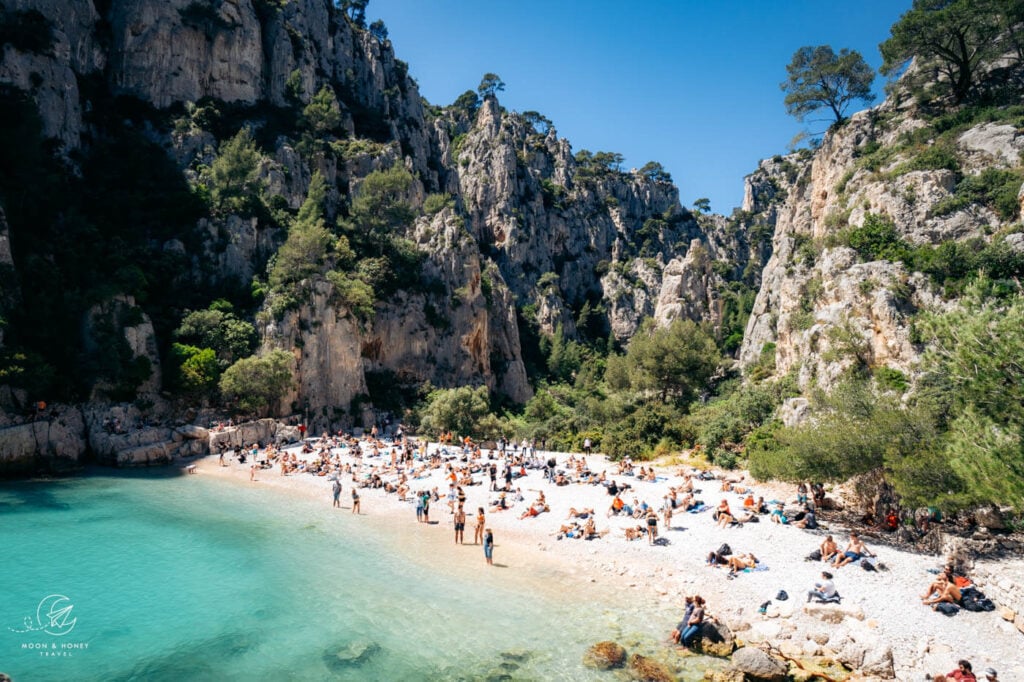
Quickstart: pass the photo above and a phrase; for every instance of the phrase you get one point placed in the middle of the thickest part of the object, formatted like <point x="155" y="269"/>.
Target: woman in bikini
<point x="724" y="515"/>
<point x="740" y="562"/>
<point x="478" y="530"/>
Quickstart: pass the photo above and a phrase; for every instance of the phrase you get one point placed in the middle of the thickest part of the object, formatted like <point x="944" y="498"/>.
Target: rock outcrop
<point x="822" y="306"/>
<point x="755" y="664"/>
<point x="534" y="241"/>
<point x="54" y="441"/>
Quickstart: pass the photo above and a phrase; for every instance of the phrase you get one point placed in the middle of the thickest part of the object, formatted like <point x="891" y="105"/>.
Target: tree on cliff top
<point x="953" y="39"/>
<point x="354" y="10"/>
<point x="489" y="86"/>
<point x="821" y="79"/>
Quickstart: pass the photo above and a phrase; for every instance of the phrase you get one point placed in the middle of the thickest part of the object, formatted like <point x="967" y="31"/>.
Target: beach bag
<point x="973" y="599"/>
<point x="868" y="564"/>
<point x="814" y="556"/>
<point x="947" y="609"/>
<point x="724" y="550"/>
<point x="781" y="596"/>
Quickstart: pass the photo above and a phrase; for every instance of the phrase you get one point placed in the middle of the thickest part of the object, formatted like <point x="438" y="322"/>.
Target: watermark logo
<point x="53" y="616"/>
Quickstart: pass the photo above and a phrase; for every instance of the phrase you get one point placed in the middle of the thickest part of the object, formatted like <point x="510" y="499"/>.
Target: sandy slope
<point x="922" y="640"/>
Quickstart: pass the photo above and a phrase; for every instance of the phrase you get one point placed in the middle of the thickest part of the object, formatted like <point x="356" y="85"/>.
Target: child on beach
<point x="489" y="547"/>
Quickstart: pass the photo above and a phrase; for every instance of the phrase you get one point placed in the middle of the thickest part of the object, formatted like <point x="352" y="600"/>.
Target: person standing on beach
<point x="460" y="526"/>
<point x="426" y="507"/>
<point x="489" y="547"/>
<point x="652" y="526"/>
<point x="355" y="501"/>
<point x="419" y="507"/>
<point x="478" y="530"/>
<point x="336" y="489"/>
<point x="252" y="472"/>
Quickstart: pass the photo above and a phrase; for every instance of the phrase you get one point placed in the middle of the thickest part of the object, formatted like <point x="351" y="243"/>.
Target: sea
<point x="159" y="576"/>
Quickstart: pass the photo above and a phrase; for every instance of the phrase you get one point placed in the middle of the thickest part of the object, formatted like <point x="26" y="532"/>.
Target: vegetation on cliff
<point x="623" y="311"/>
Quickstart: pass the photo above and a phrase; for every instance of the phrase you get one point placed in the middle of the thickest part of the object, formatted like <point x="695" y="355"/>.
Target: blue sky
<point x="692" y="84"/>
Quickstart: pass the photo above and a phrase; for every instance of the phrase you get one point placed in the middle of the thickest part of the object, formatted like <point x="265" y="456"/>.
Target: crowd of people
<point x="407" y="468"/>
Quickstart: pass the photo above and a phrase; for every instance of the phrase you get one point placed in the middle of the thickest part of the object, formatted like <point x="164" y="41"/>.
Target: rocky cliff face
<point x="823" y="306"/>
<point x="533" y="234"/>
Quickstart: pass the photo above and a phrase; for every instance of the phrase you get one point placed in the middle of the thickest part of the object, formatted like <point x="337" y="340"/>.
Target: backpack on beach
<point x="724" y="550"/>
<point x="814" y="556"/>
<point x="947" y="609"/>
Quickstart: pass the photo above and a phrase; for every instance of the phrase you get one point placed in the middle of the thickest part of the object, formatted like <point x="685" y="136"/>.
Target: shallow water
<point x="188" y="578"/>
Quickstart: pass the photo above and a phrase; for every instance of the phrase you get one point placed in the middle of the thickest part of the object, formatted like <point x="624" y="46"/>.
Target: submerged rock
<point x="605" y="656"/>
<point x="649" y="670"/>
<point x="349" y="654"/>
<point x="516" y="655"/>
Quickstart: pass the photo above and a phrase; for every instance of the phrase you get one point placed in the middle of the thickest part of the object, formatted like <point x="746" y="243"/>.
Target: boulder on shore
<point x="715" y="639"/>
<point x="756" y="664"/>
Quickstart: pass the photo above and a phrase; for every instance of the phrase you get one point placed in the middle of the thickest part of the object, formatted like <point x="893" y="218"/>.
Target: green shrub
<point x="890" y="379"/>
<point x="992" y="187"/>
<point x="802" y="320"/>
<point x="233" y="176"/>
<point x="352" y="293"/>
<point x="638" y="433"/>
<point x="435" y="203"/>
<point x="877" y="239"/>
<point x="934" y="157"/>
<point x="765" y="365"/>
<point x="196" y="370"/>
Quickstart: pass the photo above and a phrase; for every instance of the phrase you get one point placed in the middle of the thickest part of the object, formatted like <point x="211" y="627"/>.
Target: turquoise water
<point x="188" y="578"/>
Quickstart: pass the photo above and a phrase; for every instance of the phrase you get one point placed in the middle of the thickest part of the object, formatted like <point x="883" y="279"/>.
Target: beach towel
<point x="756" y="569"/>
<point x="701" y="508"/>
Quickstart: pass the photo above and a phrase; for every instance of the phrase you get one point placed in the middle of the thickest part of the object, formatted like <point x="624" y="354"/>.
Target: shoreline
<point x="883" y="608"/>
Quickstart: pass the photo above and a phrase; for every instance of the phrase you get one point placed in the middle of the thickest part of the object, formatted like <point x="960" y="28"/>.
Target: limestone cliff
<point x="533" y="235"/>
<point x="824" y="306"/>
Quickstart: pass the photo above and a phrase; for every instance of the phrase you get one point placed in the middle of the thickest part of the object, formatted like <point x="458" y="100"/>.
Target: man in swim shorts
<point x="460" y="525"/>
<point x="854" y="551"/>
